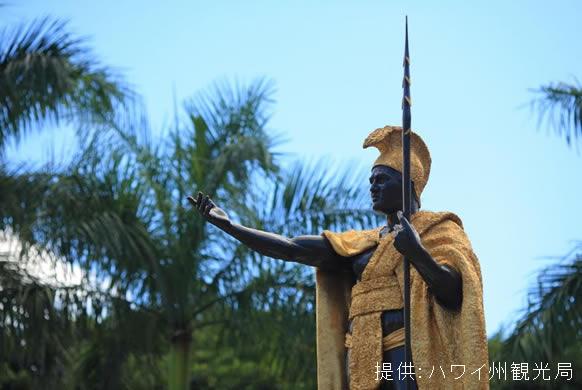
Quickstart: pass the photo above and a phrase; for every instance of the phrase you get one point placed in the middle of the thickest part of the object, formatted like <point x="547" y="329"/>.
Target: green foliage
<point x="553" y="319"/>
<point x="560" y="104"/>
<point x="155" y="275"/>
<point x="35" y="333"/>
<point x="550" y="328"/>
<point x="218" y="365"/>
<point x="48" y="75"/>
<point x="119" y="212"/>
<point x="143" y="372"/>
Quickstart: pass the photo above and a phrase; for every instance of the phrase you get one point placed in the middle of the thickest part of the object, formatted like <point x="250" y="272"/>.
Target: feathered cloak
<point x="449" y="348"/>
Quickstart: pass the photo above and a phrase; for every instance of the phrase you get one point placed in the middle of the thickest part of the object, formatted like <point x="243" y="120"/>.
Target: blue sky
<point x="338" y="68"/>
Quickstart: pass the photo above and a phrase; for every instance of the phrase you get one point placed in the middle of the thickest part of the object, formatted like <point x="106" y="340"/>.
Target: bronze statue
<point x="380" y="322"/>
<point x="446" y="287"/>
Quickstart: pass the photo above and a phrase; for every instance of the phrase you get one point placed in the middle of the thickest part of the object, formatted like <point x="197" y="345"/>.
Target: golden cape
<point x="449" y="349"/>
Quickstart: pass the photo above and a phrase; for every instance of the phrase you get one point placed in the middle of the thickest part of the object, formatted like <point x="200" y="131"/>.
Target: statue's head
<point x="387" y="197"/>
<point x="386" y="189"/>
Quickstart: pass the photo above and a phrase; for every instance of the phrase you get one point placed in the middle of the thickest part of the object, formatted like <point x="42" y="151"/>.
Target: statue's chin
<point x="383" y="210"/>
<point x="379" y="209"/>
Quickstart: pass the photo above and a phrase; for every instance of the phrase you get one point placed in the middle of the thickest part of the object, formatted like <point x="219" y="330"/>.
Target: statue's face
<point x="386" y="189"/>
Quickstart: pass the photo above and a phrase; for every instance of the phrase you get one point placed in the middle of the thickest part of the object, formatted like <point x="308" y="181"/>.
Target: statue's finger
<point x="199" y="199"/>
<point x="404" y="222"/>
<point x="395" y="232"/>
<point x="207" y="201"/>
<point x="200" y="203"/>
<point x="192" y="201"/>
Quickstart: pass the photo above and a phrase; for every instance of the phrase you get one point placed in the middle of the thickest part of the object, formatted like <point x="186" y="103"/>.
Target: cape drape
<point x="449" y="348"/>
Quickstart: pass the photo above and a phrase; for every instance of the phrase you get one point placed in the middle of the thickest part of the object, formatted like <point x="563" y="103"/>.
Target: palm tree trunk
<point x="179" y="365"/>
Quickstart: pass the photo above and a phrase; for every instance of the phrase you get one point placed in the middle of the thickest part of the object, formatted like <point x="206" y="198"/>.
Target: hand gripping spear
<point x="406" y="195"/>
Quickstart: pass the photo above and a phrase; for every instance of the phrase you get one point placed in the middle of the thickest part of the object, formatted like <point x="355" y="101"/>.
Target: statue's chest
<point x="360" y="262"/>
<point x="381" y="257"/>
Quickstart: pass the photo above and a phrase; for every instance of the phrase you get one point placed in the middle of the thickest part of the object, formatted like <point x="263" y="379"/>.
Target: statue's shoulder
<point x="352" y="242"/>
<point x="426" y="219"/>
<point x="437" y="228"/>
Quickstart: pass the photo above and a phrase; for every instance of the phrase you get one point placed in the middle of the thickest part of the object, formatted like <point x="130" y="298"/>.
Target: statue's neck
<point x="393" y="217"/>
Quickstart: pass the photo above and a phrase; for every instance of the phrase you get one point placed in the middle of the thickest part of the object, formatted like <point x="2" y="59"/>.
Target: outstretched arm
<point x="310" y="250"/>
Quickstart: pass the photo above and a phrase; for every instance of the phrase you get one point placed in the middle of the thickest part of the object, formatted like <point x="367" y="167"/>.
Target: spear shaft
<point x="406" y="195"/>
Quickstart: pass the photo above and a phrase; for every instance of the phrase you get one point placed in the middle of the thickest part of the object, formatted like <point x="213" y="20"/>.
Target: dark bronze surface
<point x="406" y="190"/>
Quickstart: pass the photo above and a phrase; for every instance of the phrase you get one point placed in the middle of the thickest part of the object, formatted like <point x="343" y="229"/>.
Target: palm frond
<point x="312" y="197"/>
<point x="119" y="211"/>
<point x="47" y="75"/>
<point x="228" y="131"/>
<point x="560" y="105"/>
<point x="553" y="319"/>
<point x="41" y="315"/>
<point x="50" y="325"/>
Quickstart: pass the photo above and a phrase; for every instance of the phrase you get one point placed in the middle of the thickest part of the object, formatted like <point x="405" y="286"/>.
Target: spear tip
<point x="406" y="55"/>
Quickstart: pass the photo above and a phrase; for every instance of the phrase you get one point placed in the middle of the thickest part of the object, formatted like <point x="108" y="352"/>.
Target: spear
<point x="406" y="194"/>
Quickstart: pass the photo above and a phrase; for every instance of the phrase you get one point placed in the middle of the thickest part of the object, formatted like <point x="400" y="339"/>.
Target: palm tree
<point x="561" y="105"/>
<point x="551" y="324"/>
<point x="549" y="329"/>
<point x="120" y="212"/>
<point x="553" y="318"/>
<point x="49" y="76"/>
<point x="44" y="318"/>
<point x="27" y="302"/>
